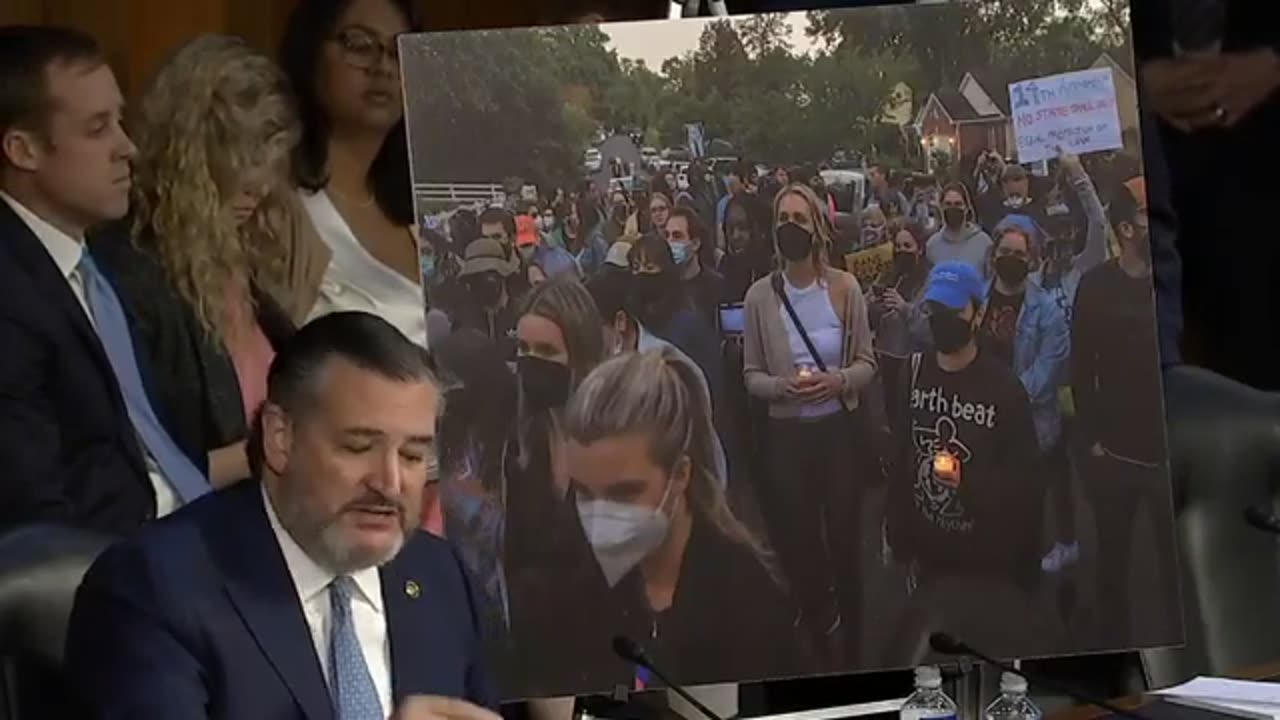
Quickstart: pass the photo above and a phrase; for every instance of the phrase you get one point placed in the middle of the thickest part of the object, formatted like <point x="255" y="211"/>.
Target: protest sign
<point x="1075" y="111"/>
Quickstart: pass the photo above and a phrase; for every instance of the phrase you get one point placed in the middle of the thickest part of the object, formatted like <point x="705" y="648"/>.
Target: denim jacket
<point x="1097" y="234"/>
<point x="1040" y="355"/>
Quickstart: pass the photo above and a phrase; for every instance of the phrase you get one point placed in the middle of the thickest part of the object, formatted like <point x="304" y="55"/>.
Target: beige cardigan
<point x="767" y="360"/>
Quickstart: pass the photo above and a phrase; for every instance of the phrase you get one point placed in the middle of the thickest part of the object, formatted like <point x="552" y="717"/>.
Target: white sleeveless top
<point x="356" y="280"/>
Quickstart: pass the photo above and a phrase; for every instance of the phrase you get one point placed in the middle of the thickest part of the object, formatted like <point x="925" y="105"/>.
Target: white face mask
<point x="622" y="535"/>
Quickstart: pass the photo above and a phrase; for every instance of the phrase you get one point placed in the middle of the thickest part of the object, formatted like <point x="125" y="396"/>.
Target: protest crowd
<point x="923" y="371"/>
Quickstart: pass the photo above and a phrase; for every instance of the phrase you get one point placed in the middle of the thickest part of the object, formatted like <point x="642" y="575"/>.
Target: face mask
<point x="649" y="286"/>
<point x="545" y="223"/>
<point x="543" y="383"/>
<point x="682" y="184"/>
<point x="680" y="251"/>
<point x="1011" y="269"/>
<point x="904" y="262"/>
<point x="1015" y="201"/>
<point x="794" y="242"/>
<point x="622" y="535"/>
<point x="486" y="289"/>
<point x="951" y="333"/>
<point x="953" y="216"/>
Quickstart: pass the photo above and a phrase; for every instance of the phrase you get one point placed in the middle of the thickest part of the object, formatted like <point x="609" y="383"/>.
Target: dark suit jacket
<point x="191" y="381"/>
<point x="197" y="617"/>
<point x="68" y="452"/>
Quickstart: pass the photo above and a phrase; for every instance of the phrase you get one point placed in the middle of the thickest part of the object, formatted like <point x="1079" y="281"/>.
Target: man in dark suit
<point x="307" y="592"/>
<point x="79" y="442"/>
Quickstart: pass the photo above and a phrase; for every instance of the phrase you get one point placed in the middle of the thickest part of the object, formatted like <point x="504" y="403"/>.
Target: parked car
<point x="592" y="160"/>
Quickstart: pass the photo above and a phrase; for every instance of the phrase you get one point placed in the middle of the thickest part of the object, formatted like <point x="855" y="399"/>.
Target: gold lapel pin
<point x="412" y="589"/>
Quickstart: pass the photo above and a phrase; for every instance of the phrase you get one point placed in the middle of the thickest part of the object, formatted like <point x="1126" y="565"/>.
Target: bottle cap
<point x="1011" y="683"/>
<point x="929" y="676"/>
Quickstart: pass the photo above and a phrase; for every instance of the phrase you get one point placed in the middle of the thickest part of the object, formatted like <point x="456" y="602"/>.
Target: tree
<point x="579" y="55"/>
<point x="481" y="86"/>
<point x="944" y="41"/>
<point x="1009" y="39"/>
<point x="765" y="34"/>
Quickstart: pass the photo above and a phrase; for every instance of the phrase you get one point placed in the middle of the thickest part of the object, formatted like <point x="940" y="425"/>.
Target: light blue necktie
<point x="112" y="326"/>
<point x="354" y="695"/>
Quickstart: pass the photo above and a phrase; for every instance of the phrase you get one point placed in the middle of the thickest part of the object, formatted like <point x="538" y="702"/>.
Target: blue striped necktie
<point x="354" y="694"/>
<point x="112" y="326"/>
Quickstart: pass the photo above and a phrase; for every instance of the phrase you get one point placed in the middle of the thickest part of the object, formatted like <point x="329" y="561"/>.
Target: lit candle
<point x="946" y="467"/>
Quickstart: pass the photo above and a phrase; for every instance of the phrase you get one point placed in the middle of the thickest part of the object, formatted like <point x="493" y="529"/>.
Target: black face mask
<point x="951" y="333"/>
<point x="648" y="288"/>
<point x="1011" y="269"/>
<point x="486" y="289"/>
<point x="953" y="216"/>
<point x="904" y="262"/>
<point x="794" y="242"/>
<point x="543" y="383"/>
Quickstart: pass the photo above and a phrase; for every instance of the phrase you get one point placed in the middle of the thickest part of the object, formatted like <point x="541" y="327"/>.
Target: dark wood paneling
<point x="21" y="12"/>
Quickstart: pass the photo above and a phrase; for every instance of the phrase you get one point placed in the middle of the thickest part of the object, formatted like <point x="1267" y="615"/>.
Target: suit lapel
<point x="259" y="584"/>
<point x="413" y="614"/>
<point x="53" y="286"/>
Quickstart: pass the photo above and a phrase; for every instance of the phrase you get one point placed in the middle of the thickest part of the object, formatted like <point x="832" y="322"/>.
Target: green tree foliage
<point x="488" y="104"/>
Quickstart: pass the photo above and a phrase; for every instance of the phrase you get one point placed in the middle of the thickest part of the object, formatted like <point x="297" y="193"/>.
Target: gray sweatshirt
<point x="968" y="245"/>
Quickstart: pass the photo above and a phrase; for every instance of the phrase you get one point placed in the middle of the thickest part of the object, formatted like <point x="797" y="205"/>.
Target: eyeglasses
<point x="363" y="50"/>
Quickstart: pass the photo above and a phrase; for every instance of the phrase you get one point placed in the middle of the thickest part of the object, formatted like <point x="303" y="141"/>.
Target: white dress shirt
<point x="367" y="611"/>
<point x="356" y="280"/>
<point x="66" y="252"/>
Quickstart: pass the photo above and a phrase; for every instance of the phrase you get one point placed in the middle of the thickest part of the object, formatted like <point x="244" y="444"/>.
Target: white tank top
<point x="813" y="307"/>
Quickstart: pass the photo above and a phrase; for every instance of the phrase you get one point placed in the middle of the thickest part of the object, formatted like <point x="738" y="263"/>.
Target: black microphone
<point x="1263" y="519"/>
<point x="631" y="651"/>
<point x="947" y="644"/>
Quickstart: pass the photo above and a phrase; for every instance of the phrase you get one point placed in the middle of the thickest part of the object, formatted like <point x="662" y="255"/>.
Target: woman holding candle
<point x="808" y="354"/>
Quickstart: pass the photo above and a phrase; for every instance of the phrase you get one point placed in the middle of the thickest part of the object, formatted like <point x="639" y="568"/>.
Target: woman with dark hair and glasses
<point x="352" y="165"/>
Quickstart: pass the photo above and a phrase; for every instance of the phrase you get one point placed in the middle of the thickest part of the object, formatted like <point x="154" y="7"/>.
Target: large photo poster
<point x="776" y="343"/>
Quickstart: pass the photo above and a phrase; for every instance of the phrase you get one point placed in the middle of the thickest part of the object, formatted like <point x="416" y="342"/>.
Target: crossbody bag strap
<point x="776" y="282"/>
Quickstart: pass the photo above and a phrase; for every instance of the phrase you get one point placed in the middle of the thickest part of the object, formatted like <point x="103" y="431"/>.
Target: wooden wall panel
<point x="159" y="27"/>
<point x="21" y="12"/>
<point x="108" y="22"/>
<point x="137" y="35"/>
<point x="261" y="22"/>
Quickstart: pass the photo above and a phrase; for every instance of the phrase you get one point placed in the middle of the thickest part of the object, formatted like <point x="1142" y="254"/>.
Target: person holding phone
<point x="895" y="308"/>
<point x="807" y="353"/>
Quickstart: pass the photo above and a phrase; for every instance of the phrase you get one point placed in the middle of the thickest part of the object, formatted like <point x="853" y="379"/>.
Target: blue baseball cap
<point x="954" y="284"/>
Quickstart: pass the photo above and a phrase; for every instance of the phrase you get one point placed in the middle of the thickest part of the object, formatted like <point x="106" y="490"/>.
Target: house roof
<point x="957" y="105"/>
<point x="996" y="88"/>
<point x="1121" y="60"/>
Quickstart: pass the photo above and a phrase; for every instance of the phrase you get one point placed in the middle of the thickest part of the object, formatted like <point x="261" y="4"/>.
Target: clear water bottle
<point x="1013" y="703"/>
<point x="928" y="702"/>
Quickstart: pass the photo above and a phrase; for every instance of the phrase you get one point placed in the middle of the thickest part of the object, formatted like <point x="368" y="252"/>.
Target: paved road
<point x="619" y="146"/>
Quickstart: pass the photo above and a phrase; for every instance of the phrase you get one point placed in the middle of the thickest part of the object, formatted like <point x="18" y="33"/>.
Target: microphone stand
<point x="631" y="651"/>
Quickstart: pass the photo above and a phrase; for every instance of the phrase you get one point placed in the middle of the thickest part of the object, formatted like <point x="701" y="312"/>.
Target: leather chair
<point x="1224" y="440"/>
<point x="41" y="567"/>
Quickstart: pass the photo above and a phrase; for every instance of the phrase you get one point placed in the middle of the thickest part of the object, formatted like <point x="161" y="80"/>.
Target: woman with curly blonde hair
<point x="202" y="260"/>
